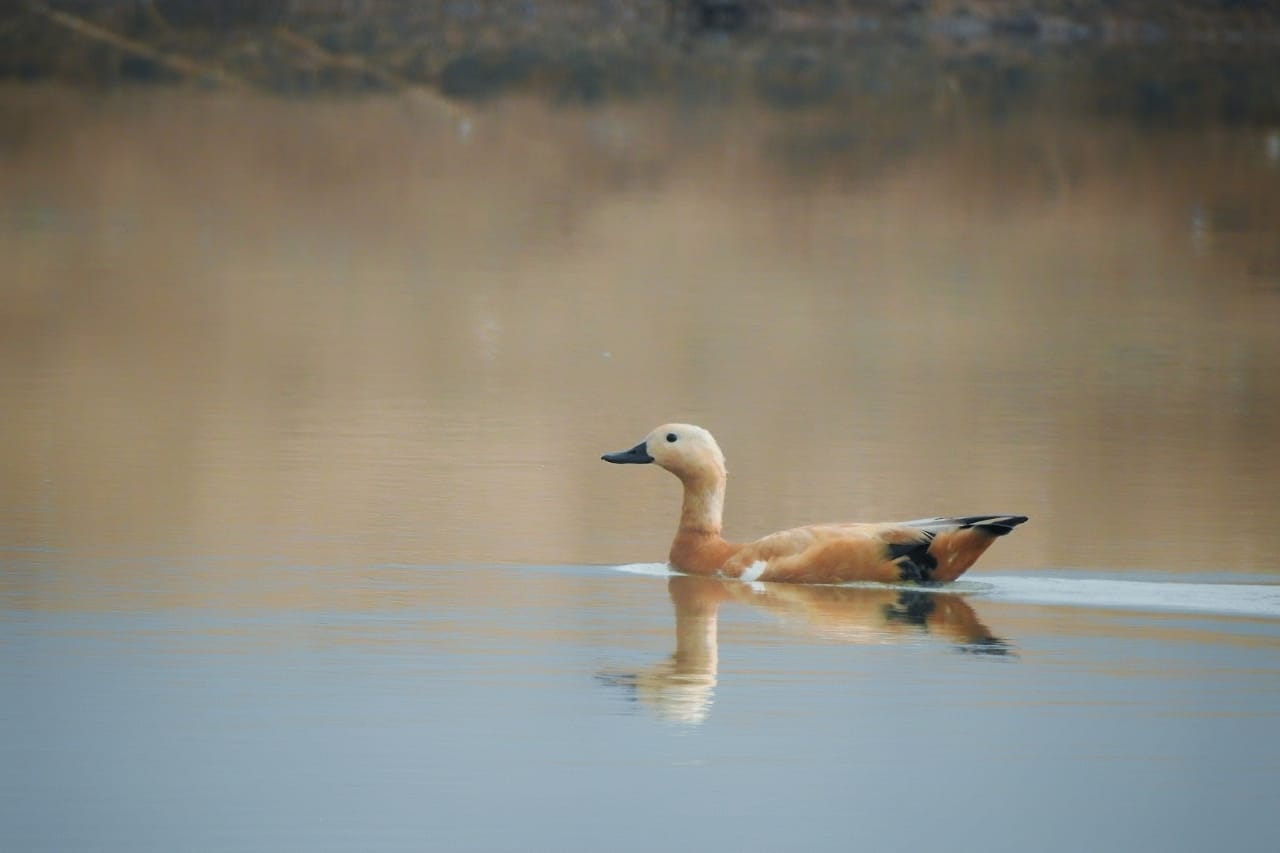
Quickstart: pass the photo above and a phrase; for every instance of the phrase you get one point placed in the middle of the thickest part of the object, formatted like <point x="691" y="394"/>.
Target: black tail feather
<point x="996" y="525"/>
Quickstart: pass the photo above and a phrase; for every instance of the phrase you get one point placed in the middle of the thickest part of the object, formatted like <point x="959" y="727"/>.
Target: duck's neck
<point x="698" y="547"/>
<point x="703" y="505"/>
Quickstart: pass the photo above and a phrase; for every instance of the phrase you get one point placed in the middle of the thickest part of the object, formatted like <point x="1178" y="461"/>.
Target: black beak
<point x="637" y="455"/>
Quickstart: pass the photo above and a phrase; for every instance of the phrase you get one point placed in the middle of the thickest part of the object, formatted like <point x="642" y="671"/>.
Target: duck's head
<point x="685" y="450"/>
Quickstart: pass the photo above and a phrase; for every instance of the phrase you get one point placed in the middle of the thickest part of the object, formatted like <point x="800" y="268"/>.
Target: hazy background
<point x="316" y="318"/>
<point x="232" y="322"/>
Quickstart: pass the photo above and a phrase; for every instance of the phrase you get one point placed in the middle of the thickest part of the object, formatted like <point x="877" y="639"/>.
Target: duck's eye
<point x="671" y="436"/>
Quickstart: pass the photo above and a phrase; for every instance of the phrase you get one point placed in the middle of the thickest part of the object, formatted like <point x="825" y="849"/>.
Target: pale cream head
<point x="686" y="450"/>
<point x="691" y="454"/>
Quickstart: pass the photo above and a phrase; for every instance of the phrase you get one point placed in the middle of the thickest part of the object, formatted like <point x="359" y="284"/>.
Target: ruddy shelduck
<point x="927" y="550"/>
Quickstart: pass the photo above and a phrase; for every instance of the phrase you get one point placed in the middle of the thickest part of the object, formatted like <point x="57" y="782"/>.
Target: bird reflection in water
<point x="681" y="688"/>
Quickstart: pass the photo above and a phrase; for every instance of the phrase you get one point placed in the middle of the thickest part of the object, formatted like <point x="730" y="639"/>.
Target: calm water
<point x="305" y="542"/>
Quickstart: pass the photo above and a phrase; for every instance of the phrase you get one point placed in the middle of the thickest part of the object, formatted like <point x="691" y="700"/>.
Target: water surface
<point x="305" y="542"/>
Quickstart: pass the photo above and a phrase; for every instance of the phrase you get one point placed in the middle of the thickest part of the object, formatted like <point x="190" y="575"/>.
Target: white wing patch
<point x="753" y="572"/>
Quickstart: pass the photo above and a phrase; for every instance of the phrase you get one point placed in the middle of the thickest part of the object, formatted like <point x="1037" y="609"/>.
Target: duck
<point x="925" y="551"/>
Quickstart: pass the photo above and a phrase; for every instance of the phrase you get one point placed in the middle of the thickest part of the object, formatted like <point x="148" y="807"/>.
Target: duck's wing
<point x="924" y="550"/>
<point x="950" y="545"/>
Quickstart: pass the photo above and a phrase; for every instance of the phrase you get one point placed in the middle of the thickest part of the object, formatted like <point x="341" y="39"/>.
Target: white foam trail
<point x="1235" y="599"/>
<point x="658" y="570"/>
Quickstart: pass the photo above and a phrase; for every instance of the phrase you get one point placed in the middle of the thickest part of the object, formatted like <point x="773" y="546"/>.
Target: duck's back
<point x="923" y="550"/>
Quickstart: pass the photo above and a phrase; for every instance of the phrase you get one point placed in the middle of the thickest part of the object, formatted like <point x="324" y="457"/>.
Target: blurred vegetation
<point x="1161" y="60"/>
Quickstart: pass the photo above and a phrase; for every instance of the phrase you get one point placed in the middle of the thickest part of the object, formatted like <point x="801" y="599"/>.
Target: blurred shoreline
<point x="1179" y="62"/>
